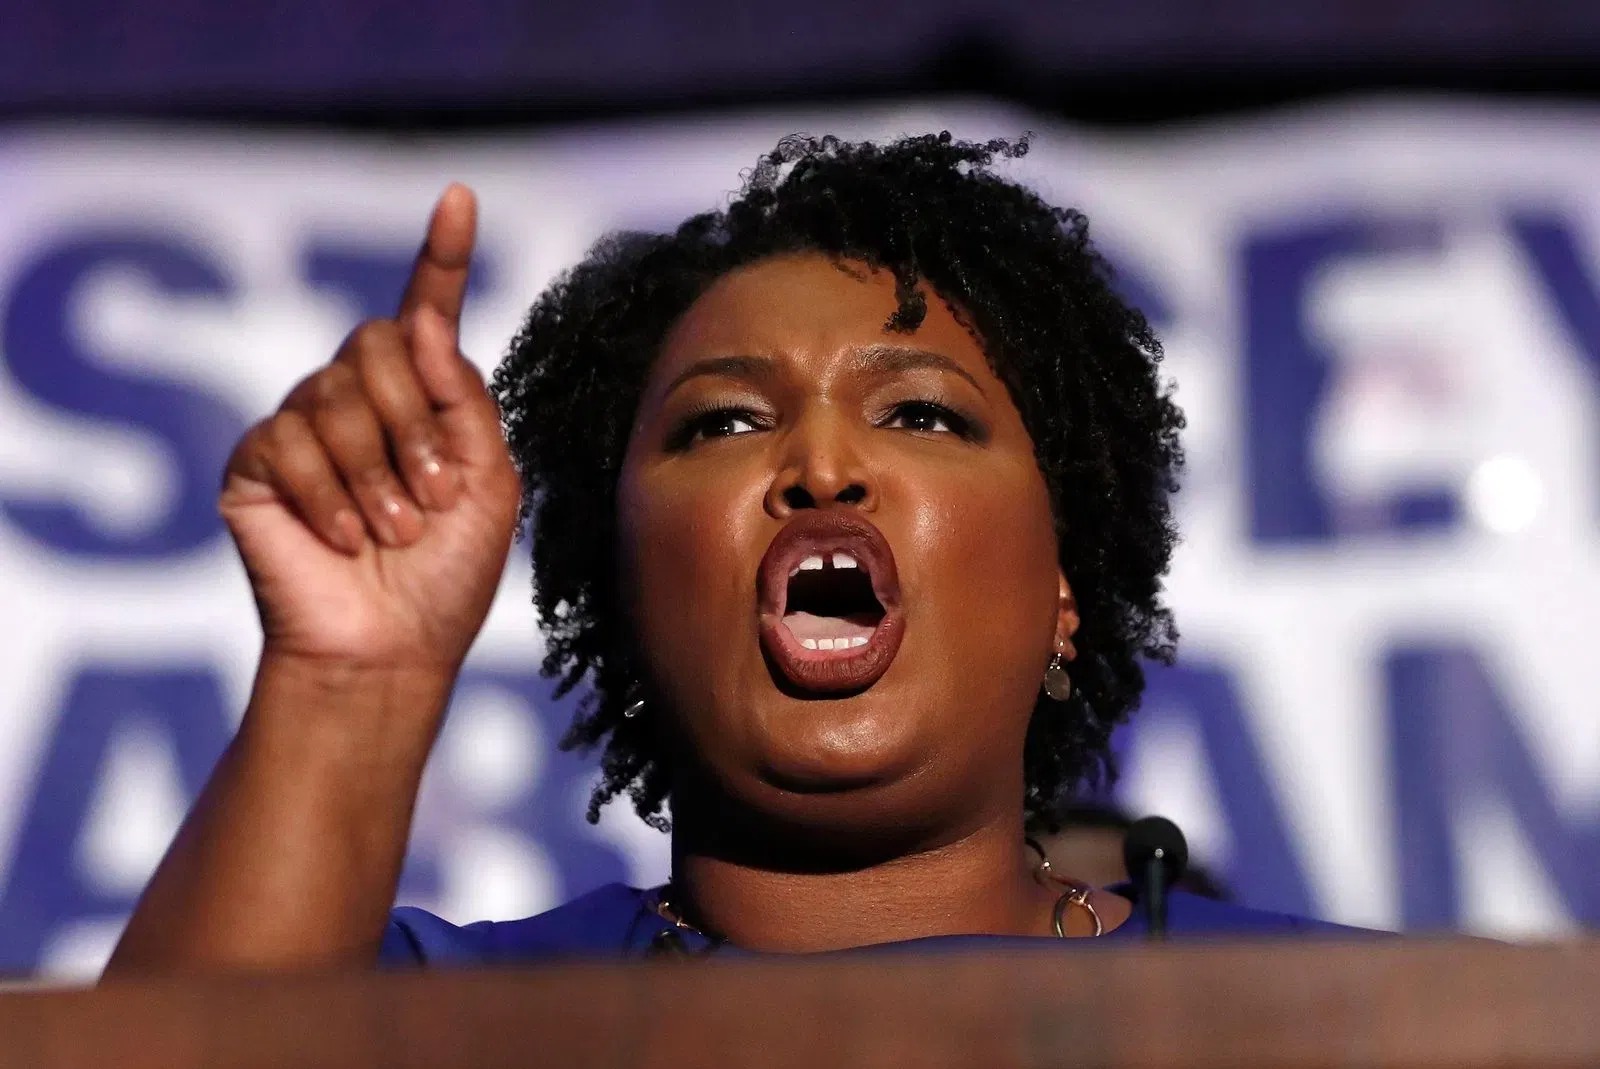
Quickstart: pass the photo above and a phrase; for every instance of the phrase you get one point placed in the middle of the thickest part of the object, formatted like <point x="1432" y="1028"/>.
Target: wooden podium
<point x="1305" y="1003"/>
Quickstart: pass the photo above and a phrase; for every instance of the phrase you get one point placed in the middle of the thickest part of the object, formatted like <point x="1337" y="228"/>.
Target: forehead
<point x="809" y="305"/>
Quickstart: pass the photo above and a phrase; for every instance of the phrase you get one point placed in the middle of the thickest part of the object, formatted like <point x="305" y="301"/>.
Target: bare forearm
<point x="291" y="855"/>
<point x="372" y="512"/>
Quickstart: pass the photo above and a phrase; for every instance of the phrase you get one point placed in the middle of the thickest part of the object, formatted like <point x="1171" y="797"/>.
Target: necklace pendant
<point x="1079" y="897"/>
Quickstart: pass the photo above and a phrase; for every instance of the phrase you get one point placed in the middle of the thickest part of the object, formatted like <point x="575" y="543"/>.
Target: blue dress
<point x="620" y="922"/>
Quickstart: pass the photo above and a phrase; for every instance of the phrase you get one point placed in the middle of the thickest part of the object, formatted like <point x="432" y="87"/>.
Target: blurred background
<point x="1369" y="234"/>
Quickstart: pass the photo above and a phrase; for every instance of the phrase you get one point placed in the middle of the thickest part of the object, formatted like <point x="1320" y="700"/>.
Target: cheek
<point x="990" y="560"/>
<point x="684" y="546"/>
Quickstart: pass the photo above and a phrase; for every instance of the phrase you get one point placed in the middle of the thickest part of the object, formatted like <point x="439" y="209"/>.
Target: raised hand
<point x="375" y="509"/>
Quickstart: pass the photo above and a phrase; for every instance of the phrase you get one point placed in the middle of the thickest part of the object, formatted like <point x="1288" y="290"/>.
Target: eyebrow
<point x="891" y="359"/>
<point x="751" y="368"/>
<point x="882" y="359"/>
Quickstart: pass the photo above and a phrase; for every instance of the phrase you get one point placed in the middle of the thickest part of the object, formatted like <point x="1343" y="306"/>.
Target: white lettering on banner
<point x="1384" y="323"/>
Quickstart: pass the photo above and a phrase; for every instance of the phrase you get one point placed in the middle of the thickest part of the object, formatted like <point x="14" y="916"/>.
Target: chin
<point x="850" y="826"/>
<point x="831" y="746"/>
<point x="838" y="780"/>
<point x="845" y="790"/>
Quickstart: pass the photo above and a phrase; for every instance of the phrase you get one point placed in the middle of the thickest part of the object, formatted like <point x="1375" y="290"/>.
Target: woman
<point x="850" y="502"/>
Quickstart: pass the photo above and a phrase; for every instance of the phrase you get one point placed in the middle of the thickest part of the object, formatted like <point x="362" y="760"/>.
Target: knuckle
<point x="254" y="437"/>
<point x="393" y="385"/>
<point x="283" y="432"/>
<point x="297" y="460"/>
<point x="331" y="387"/>
<point x="247" y="452"/>
<point x="371" y="338"/>
<point x="350" y="431"/>
<point x="300" y="395"/>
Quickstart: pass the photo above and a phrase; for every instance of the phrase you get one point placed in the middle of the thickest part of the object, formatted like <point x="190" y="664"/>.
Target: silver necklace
<point x="1076" y="894"/>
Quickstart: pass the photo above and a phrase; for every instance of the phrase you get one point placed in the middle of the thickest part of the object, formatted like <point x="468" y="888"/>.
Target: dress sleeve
<point x="416" y="938"/>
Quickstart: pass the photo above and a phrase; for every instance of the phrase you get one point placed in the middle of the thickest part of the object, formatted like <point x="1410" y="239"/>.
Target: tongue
<point x="803" y="625"/>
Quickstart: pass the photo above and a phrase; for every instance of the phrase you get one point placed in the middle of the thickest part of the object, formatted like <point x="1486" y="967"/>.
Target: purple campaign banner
<point x="1383" y="321"/>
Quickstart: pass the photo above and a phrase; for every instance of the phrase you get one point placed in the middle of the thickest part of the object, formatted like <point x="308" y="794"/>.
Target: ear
<point x="1066" y="619"/>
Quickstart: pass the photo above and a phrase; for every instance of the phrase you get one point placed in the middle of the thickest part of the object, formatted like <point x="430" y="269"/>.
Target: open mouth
<point x="829" y="603"/>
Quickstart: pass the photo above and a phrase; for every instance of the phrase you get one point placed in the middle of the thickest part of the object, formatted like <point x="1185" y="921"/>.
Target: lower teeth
<point x="832" y="643"/>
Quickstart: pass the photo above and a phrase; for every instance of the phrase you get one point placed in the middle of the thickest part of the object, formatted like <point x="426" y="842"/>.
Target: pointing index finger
<point x="439" y="279"/>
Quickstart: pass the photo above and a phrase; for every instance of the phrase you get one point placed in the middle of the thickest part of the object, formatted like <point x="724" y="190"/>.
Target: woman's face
<point x="840" y="557"/>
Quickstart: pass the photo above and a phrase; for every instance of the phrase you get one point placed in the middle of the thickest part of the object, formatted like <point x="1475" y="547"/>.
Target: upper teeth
<point x="815" y="563"/>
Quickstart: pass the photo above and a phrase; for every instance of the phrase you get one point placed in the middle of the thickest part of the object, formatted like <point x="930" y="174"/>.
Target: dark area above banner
<point x="505" y="59"/>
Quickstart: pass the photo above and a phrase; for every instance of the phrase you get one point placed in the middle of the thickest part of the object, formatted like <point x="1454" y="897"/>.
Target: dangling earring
<point x="1057" y="684"/>
<point x="635" y="707"/>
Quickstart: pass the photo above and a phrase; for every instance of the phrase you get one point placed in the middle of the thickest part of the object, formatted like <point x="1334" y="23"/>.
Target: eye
<point x="720" y="422"/>
<point x="928" y="417"/>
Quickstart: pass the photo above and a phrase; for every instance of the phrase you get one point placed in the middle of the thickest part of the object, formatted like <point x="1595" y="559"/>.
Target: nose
<point x="821" y="466"/>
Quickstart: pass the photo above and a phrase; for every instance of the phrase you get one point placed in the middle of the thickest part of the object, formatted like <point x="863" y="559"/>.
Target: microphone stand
<point x="1155" y="854"/>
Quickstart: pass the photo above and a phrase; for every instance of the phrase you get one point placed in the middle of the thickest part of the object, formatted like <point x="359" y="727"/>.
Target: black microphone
<point x="1155" y="853"/>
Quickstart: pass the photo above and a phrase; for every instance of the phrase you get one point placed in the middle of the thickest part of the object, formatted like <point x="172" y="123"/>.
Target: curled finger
<point x="283" y="454"/>
<point x="382" y="362"/>
<point x="350" y="431"/>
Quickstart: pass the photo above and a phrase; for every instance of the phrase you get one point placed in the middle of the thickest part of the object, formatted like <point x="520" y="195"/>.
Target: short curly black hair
<point x="1080" y="364"/>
